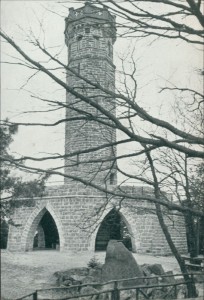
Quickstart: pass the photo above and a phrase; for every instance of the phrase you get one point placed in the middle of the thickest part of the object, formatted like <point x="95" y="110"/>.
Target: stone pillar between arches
<point x="41" y="237"/>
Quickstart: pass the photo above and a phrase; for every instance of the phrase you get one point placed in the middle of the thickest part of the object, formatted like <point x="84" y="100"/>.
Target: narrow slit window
<point x="79" y="42"/>
<point x="112" y="177"/>
<point x="96" y="41"/>
<point x="87" y="30"/>
<point x="77" y="160"/>
<point x="109" y="49"/>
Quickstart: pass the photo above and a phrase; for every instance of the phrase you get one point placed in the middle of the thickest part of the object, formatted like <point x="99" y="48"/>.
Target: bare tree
<point x="158" y="138"/>
<point x="182" y="20"/>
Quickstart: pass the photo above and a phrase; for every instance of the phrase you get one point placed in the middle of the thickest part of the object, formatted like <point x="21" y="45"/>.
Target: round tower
<point x="90" y="33"/>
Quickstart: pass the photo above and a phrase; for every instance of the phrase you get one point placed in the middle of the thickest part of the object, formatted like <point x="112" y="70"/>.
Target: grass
<point x="23" y="273"/>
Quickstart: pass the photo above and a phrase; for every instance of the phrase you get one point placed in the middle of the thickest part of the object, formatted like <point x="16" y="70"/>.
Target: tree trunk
<point x="190" y="285"/>
<point x="192" y="235"/>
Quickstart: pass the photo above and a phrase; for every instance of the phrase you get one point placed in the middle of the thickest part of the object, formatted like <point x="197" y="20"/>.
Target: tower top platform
<point x="90" y="15"/>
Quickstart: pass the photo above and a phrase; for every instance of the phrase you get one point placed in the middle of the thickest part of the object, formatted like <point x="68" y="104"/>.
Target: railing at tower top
<point x="115" y="290"/>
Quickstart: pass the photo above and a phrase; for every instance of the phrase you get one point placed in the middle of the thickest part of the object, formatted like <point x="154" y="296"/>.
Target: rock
<point x="153" y="280"/>
<point x="67" y="283"/>
<point x="128" y="295"/>
<point x="55" y="293"/>
<point x="76" y="282"/>
<point x="96" y="273"/>
<point x="199" y="278"/>
<point x="156" y="269"/>
<point x="157" y="294"/>
<point x="120" y="264"/>
<point x="76" y="277"/>
<point x="51" y="280"/>
<point x="146" y="270"/>
<point x="170" y="279"/>
<point x="72" y="274"/>
<point x="88" y="279"/>
<point x="89" y="290"/>
<point x="181" y="289"/>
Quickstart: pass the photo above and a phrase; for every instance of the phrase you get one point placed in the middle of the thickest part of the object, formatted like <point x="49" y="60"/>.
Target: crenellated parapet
<point x="89" y="20"/>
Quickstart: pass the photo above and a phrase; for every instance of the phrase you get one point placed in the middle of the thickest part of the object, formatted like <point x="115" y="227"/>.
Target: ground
<point x="23" y="273"/>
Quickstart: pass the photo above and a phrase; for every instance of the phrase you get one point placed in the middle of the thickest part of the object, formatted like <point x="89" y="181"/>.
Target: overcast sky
<point x="158" y="64"/>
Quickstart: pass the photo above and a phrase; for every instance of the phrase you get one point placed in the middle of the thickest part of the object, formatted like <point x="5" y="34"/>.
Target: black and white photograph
<point x="102" y="149"/>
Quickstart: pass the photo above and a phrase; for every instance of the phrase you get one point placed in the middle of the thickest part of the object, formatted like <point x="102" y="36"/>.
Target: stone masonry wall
<point x="89" y="35"/>
<point x="74" y="211"/>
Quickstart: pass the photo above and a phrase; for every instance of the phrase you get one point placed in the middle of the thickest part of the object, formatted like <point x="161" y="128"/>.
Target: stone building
<point x="77" y="217"/>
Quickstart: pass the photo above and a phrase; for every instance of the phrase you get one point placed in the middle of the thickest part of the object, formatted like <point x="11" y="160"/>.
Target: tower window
<point x="77" y="160"/>
<point x="96" y="41"/>
<point x="79" y="38"/>
<point x="87" y="30"/>
<point x="109" y="49"/>
<point x="112" y="177"/>
<point x="79" y="42"/>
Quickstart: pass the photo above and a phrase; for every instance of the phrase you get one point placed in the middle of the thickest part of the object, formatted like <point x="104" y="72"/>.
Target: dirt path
<point x="23" y="273"/>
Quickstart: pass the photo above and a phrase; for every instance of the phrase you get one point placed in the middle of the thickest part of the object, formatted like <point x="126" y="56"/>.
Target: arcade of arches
<point x="46" y="235"/>
<point x="53" y="223"/>
<point x="113" y="226"/>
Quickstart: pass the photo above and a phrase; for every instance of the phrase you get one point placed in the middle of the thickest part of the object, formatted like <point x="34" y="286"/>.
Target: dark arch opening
<point x="4" y="234"/>
<point x="46" y="235"/>
<point x="113" y="227"/>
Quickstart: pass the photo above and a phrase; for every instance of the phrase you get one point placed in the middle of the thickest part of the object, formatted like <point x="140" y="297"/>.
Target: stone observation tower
<point x="75" y="216"/>
<point x="89" y="35"/>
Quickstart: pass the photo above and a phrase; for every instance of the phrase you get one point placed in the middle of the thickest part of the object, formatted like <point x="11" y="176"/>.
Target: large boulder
<point x="120" y="264"/>
<point x="71" y="276"/>
<point x="156" y="269"/>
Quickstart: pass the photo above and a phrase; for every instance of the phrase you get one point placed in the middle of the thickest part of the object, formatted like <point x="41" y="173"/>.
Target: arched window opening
<point x="46" y="236"/>
<point x="112" y="227"/>
<point x="79" y="42"/>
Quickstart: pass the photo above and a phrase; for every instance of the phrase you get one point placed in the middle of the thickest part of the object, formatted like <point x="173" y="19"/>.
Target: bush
<point x="94" y="263"/>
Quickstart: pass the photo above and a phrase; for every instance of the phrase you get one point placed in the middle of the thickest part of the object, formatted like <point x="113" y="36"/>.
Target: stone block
<point x="120" y="264"/>
<point x="156" y="269"/>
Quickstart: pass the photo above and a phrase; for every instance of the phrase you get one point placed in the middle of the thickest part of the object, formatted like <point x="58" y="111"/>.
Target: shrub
<point x="94" y="263"/>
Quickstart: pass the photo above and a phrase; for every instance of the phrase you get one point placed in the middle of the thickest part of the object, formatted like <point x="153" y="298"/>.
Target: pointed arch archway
<point x="114" y="225"/>
<point x="33" y="223"/>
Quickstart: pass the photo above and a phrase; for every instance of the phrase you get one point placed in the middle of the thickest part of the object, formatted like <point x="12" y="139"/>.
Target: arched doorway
<point x="46" y="235"/>
<point x="113" y="227"/>
<point x="35" y="229"/>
